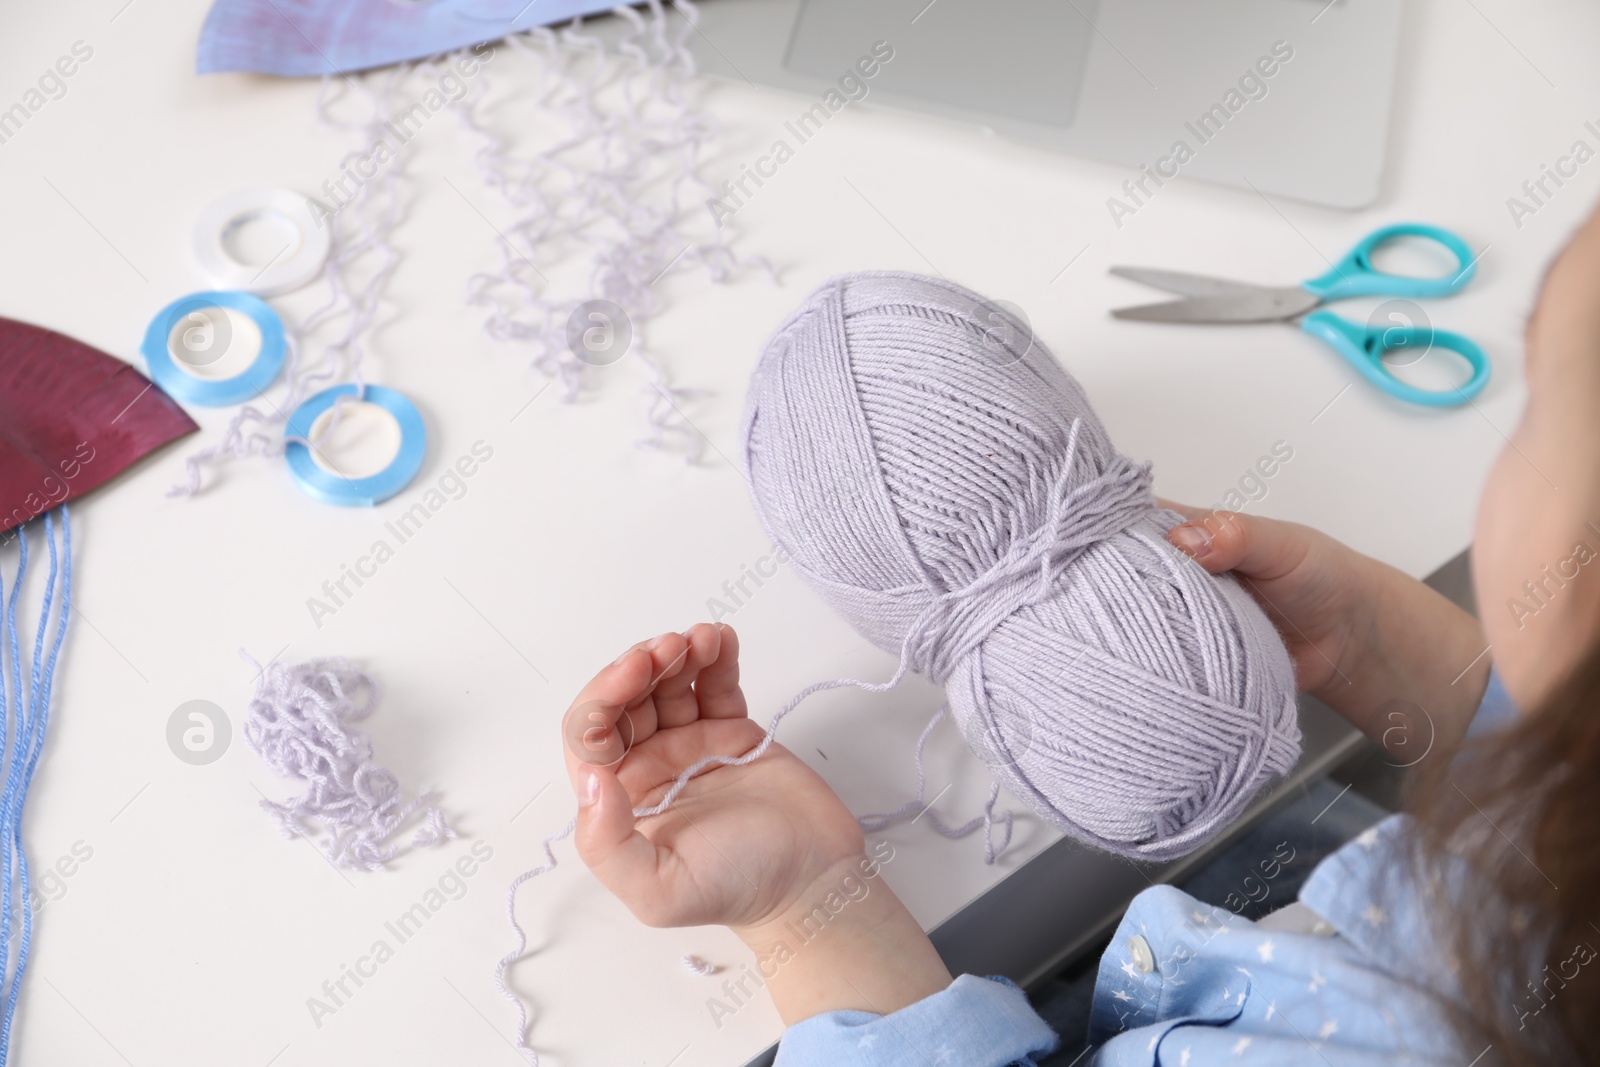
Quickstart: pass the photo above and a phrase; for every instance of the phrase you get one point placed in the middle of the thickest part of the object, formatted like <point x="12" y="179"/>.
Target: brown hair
<point x="1520" y="811"/>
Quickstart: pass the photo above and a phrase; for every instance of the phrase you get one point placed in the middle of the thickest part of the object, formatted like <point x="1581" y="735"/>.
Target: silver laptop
<point x="1290" y="97"/>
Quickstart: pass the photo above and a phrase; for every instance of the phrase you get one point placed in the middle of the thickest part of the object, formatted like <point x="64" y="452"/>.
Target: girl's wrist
<point x="845" y="943"/>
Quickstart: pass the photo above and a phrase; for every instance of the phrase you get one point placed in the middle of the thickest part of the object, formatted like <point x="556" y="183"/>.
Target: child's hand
<point x="1314" y="589"/>
<point x="739" y="844"/>
<point x="765" y="848"/>
<point x="1394" y="657"/>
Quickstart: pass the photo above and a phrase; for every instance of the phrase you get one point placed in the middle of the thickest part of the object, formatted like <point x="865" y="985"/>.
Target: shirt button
<point x="1144" y="960"/>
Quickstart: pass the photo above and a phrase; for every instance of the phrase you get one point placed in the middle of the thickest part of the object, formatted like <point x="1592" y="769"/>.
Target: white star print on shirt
<point x="1128" y="969"/>
<point x="1240" y="1045"/>
<point x="1368" y="837"/>
<point x="1317" y="982"/>
<point x="1120" y="995"/>
<point x="1264" y="950"/>
<point x="868" y="1040"/>
<point x="1329" y="1028"/>
<point x="1183" y="1059"/>
<point x="1375" y="915"/>
<point x="945" y="1053"/>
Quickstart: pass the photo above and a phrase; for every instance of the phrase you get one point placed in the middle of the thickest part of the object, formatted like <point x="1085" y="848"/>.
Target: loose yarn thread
<point x="24" y="717"/>
<point x="919" y="805"/>
<point x="301" y="724"/>
<point x="500" y="982"/>
<point x="617" y="182"/>
<point x="948" y="489"/>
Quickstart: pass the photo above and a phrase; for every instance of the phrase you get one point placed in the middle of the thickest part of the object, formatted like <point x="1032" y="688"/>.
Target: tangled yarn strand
<point x="614" y="186"/>
<point x="301" y="723"/>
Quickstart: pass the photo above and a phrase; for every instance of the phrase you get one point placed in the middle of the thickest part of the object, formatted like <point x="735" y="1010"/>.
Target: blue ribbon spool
<point x="220" y="392"/>
<point x="330" y="488"/>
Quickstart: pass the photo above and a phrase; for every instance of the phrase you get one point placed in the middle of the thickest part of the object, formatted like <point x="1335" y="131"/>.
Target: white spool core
<point x="366" y="440"/>
<point x="214" y="343"/>
<point x="262" y="241"/>
<point x="258" y="238"/>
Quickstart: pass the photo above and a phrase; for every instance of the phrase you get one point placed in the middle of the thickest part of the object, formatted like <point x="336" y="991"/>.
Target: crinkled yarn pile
<point x="940" y="479"/>
<point x="302" y="723"/>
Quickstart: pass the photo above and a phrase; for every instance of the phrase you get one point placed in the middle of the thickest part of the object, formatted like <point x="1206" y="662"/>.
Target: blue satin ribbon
<point x="307" y="38"/>
<point x="322" y="484"/>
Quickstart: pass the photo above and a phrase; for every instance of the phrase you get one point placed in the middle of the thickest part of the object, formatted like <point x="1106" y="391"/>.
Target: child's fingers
<point x="1227" y="541"/>
<point x="1198" y="536"/>
<point x="621" y="857"/>
<point x="650" y="770"/>
<point x="592" y="728"/>
<point x="622" y="682"/>
<point x="717" y="685"/>
<point x="668" y="655"/>
<point x="675" y="702"/>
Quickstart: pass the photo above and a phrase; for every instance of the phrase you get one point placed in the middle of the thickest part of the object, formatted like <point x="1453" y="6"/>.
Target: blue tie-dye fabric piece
<point x="301" y="38"/>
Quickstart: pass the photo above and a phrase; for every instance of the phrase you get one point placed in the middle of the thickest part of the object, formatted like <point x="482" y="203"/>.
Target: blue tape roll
<point x="221" y="392"/>
<point x="336" y="489"/>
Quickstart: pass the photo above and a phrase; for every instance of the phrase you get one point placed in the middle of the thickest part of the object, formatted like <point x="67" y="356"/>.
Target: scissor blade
<point x="1257" y="305"/>
<point x="1177" y="281"/>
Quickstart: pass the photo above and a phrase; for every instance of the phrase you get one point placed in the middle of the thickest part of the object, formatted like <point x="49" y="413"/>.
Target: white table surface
<point x="195" y="935"/>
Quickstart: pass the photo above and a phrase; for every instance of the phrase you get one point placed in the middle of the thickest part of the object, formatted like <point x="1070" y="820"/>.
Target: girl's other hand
<point x="1403" y="664"/>
<point x="1314" y="589"/>
<point x="740" y="843"/>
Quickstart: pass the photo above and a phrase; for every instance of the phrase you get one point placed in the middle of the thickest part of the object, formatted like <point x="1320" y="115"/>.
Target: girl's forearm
<point x="1414" y="679"/>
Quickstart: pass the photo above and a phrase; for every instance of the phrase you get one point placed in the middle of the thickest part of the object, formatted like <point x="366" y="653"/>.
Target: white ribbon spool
<point x="296" y="264"/>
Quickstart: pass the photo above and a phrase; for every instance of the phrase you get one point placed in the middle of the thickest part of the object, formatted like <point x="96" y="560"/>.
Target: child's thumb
<point x="1227" y="541"/>
<point x="605" y="836"/>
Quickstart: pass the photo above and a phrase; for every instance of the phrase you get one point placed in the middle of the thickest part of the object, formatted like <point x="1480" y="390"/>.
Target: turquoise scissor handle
<point x="1354" y="275"/>
<point x="1364" y="347"/>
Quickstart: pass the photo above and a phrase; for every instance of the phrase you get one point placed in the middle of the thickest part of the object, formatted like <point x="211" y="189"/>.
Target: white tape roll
<point x="298" y="262"/>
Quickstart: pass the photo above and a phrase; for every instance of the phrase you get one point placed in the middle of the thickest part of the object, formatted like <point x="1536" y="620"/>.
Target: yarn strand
<point x="919" y="805"/>
<point x="24" y="719"/>
<point x="516" y="953"/>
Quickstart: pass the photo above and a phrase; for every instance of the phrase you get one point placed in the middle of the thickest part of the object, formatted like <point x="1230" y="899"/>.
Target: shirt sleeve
<point x="975" y="1022"/>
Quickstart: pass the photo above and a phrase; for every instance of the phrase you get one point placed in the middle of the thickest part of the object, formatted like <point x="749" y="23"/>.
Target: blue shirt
<point x="1352" y="974"/>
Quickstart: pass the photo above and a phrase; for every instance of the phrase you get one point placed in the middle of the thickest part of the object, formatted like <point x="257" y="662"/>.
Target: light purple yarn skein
<point x="965" y="508"/>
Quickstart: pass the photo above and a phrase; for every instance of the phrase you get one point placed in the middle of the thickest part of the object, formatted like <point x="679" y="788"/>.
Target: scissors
<point x="1208" y="299"/>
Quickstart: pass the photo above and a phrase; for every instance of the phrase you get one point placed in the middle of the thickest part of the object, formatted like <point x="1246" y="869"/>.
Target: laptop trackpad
<point x="1020" y="58"/>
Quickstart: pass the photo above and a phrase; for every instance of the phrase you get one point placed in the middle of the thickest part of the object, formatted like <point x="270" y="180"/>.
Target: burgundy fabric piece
<point x="71" y="418"/>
